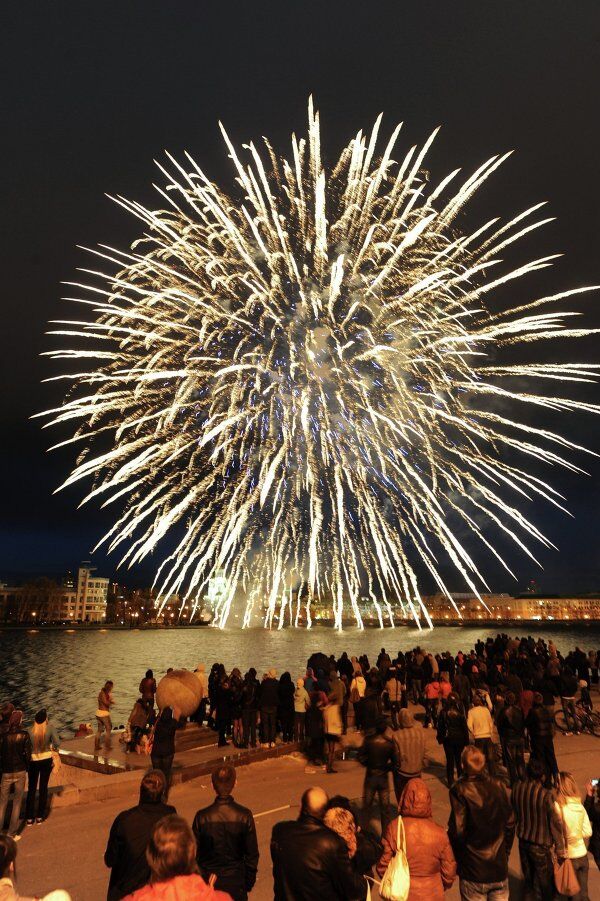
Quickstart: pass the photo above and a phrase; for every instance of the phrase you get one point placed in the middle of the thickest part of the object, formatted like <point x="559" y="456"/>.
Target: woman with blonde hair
<point x="576" y="828"/>
<point x="44" y="742"/>
<point x="342" y="821"/>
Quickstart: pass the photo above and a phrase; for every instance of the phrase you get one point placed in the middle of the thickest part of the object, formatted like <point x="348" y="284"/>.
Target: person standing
<point x="511" y="729"/>
<point x="129" y="835"/>
<point x="224" y="714"/>
<point x="539" y="830"/>
<point x="430" y="858"/>
<point x="105" y="702"/>
<point x="540" y="727"/>
<point x="200" y="673"/>
<point x="394" y="687"/>
<point x="311" y="861"/>
<point x="250" y="696"/>
<point x="577" y="829"/>
<point x="147" y="688"/>
<point x="481" y="725"/>
<point x="332" y="727"/>
<point x="269" y="697"/>
<point x="377" y="755"/>
<point x="226" y="839"/>
<point x="432" y="697"/>
<point x="44" y="741"/>
<point x="481" y="830"/>
<point x="301" y="704"/>
<point x="358" y="686"/>
<point x="409" y="751"/>
<point x="15" y="755"/>
<point x="453" y="734"/>
<point x="285" y="707"/>
<point x="568" y="691"/>
<point x="163" y="741"/>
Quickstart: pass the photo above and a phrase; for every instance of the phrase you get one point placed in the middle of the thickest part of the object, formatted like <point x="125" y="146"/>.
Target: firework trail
<point x="300" y="379"/>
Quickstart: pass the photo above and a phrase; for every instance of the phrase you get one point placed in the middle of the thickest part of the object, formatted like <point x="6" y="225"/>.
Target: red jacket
<point x="181" y="888"/>
<point x="430" y="859"/>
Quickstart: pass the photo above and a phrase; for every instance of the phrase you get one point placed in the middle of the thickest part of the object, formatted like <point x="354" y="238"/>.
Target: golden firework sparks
<point x="300" y="377"/>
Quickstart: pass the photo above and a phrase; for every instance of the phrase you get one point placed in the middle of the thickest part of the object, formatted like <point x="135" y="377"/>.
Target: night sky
<point x="92" y="93"/>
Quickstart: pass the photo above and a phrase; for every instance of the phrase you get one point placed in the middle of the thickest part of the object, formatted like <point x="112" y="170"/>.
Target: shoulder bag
<point x="395" y="885"/>
<point x="565" y="877"/>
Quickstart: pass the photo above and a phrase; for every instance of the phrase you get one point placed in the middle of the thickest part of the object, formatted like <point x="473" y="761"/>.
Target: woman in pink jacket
<point x="171" y="856"/>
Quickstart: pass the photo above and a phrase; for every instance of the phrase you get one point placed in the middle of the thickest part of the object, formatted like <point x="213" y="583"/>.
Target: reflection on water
<point x="64" y="671"/>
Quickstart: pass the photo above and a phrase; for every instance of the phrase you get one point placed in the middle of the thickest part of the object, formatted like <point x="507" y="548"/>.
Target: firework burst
<point x="296" y="385"/>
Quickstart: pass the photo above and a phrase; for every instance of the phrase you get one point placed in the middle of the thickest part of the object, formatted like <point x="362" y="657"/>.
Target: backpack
<point x="395" y="885"/>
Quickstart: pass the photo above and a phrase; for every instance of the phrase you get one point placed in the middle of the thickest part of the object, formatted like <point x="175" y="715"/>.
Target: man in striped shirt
<point x="539" y="829"/>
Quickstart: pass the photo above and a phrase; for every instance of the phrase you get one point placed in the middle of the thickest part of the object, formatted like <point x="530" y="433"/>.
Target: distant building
<point x="91" y="596"/>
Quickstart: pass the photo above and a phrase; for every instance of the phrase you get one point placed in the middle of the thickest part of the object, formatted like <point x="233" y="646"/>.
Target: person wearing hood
<point x="200" y="673"/>
<point x="409" y="751"/>
<point x="44" y="741"/>
<point x="269" y="698"/>
<point x="428" y="851"/>
<point x="577" y="830"/>
<point x="15" y="755"/>
<point x="358" y="686"/>
<point x="171" y="856"/>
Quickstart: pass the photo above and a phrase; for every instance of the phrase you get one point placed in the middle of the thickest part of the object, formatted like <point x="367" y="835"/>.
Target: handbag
<point x="395" y="885"/>
<point x="565" y="878"/>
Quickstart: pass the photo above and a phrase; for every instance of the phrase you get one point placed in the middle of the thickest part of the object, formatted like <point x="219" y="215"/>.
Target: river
<point x="63" y="671"/>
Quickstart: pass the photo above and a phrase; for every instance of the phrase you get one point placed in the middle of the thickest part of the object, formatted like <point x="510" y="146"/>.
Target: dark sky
<point x="91" y="93"/>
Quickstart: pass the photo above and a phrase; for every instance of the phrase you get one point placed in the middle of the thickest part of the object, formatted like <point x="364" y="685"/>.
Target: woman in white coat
<point x="577" y="829"/>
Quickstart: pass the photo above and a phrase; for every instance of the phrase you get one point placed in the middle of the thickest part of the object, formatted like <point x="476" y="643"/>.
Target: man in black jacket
<point x="377" y="755"/>
<point x="129" y="835"/>
<point x="15" y="754"/>
<point x="226" y="839"/>
<point x="269" y="698"/>
<point x="511" y="729"/>
<point x="540" y="726"/>
<point x="481" y="829"/>
<point x="311" y="861"/>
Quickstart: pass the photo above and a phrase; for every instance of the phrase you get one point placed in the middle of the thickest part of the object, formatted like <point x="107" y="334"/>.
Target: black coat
<point x="15" y="752"/>
<point x="540" y="724"/>
<point x="269" y="694"/>
<point x="452" y="728"/>
<point x="377" y="754"/>
<point x="311" y="863"/>
<point x="481" y="828"/>
<point x="164" y="735"/>
<point x="126" y="849"/>
<point x="227" y="846"/>
<point x="511" y="724"/>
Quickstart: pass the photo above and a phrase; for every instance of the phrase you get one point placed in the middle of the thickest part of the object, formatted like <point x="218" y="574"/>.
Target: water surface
<point x="64" y="671"/>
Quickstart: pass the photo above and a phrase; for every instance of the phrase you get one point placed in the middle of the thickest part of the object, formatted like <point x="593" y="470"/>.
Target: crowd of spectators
<point x="492" y="710"/>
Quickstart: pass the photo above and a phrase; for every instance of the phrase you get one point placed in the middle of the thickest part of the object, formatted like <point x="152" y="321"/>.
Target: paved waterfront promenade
<point x="67" y="850"/>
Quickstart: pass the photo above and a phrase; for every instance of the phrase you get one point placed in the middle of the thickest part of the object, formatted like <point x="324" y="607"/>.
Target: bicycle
<point x="585" y="720"/>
